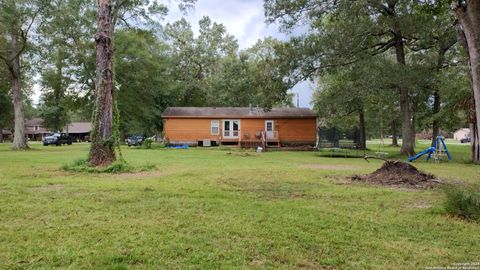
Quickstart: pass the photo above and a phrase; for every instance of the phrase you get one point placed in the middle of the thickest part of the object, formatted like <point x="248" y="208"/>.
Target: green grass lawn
<point x="216" y="209"/>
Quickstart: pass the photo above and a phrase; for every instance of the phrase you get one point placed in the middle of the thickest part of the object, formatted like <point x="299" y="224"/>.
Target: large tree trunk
<point x="408" y="131"/>
<point x="394" y="133"/>
<point x="19" y="139"/>
<point x="59" y="122"/>
<point x="362" y="133"/>
<point x="122" y="135"/>
<point x="468" y="18"/>
<point x="1" y="134"/>
<point x="102" y="150"/>
<point x="475" y="143"/>
<point x="436" y="110"/>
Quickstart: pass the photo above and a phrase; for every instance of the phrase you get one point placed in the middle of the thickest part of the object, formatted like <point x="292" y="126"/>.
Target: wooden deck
<point x="259" y="139"/>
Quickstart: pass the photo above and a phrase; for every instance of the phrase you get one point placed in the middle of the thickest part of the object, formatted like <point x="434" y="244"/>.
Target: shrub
<point x="118" y="166"/>
<point x="463" y="201"/>
<point x="146" y="167"/>
<point x="147" y="144"/>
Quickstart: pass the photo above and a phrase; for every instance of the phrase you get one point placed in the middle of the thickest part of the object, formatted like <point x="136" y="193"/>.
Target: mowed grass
<point x="221" y="209"/>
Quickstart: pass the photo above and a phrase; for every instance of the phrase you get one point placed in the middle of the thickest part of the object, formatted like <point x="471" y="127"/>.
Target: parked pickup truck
<point x="135" y="140"/>
<point x="57" y="139"/>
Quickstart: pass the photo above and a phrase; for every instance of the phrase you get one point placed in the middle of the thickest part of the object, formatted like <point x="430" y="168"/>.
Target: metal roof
<point x="79" y="127"/>
<point x="34" y="122"/>
<point x="236" y="112"/>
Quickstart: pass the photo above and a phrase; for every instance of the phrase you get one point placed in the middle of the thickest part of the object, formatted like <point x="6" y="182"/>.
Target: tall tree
<point x="209" y="70"/>
<point x="468" y="24"/>
<point x="102" y="151"/>
<point x="197" y="58"/>
<point x="342" y="32"/>
<point x="141" y="67"/>
<point x="359" y="93"/>
<point x="110" y="12"/>
<point x="6" y="110"/>
<point x="253" y="77"/>
<point x="17" y="17"/>
<point x="62" y="54"/>
<point x="54" y="104"/>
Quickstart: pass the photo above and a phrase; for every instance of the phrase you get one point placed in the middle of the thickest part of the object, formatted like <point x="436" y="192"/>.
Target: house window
<point x="269" y="125"/>
<point x="231" y="128"/>
<point x="36" y="128"/>
<point x="214" y="127"/>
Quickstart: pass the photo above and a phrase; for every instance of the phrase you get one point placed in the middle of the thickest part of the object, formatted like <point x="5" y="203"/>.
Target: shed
<point x="461" y="134"/>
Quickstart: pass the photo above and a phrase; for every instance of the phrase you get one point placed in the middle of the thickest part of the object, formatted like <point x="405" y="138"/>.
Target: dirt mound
<point x="399" y="174"/>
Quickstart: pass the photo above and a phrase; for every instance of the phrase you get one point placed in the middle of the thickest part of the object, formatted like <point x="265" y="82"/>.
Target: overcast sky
<point x="245" y="20"/>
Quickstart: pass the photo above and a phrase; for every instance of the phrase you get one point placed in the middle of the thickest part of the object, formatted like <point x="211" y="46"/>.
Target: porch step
<point x="272" y="146"/>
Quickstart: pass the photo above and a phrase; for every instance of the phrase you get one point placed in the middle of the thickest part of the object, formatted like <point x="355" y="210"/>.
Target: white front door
<point x="269" y="128"/>
<point x="231" y="129"/>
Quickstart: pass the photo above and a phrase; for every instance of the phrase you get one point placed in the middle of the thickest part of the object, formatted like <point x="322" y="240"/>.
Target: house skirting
<point x="244" y="143"/>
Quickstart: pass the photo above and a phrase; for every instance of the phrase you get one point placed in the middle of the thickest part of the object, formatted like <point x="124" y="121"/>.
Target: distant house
<point x="5" y="134"/>
<point x="79" y="131"/>
<point x="461" y="134"/>
<point x="424" y="134"/>
<point x="243" y="126"/>
<point x="34" y="129"/>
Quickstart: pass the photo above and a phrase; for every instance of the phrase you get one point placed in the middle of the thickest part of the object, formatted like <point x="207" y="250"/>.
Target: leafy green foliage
<point x="119" y="166"/>
<point x="195" y="59"/>
<point x="463" y="201"/>
<point x="63" y="51"/>
<point x="147" y="144"/>
<point x="209" y="70"/>
<point x="6" y="108"/>
<point x="141" y="67"/>
<point x="393" y="59"/>
<point x="253" y="78"/>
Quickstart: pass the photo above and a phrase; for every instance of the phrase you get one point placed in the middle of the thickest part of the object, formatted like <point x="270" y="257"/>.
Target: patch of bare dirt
<point x="271" y="190"/>
<point x="242" y="154"/>
<point x="139" y="175"/>
<point x="419" y="205"/>
<point x="48" y="188"/>
<point x="339" y="167"/>
<point x="399" y="174"/>
<point x="313" y="266"/>
<point x="43" y="173"/>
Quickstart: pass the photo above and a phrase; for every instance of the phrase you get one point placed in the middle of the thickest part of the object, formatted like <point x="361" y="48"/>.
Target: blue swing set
<point x="438" y="151"/>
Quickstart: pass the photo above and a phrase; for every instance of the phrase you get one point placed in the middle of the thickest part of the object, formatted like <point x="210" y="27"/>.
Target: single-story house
<point x="34" y="129"/>
<point x="5" y="134"/>
<point x="79" y="131"/>
<point x="243" y="126"/>
<point x="461" y="134"/>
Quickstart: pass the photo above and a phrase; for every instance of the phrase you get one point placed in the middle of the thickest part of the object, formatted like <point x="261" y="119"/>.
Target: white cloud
<point x="243" y="19"/>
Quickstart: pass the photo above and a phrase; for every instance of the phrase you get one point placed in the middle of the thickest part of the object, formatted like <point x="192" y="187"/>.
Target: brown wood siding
<point x="195" y="129"/>
<point x="189" y="129"/>
<point x="297" y="130"/>
<point x="252" y="126"/>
